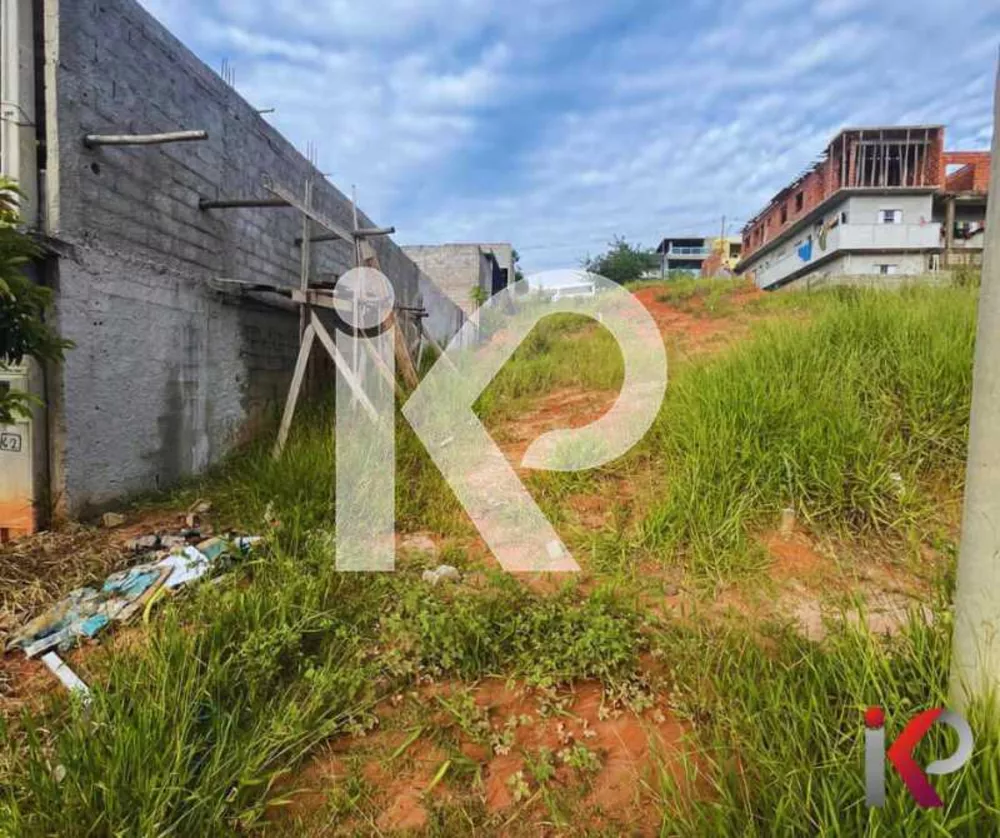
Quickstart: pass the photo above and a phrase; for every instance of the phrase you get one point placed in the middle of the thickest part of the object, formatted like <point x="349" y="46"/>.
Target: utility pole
<point x="975" y="666"/>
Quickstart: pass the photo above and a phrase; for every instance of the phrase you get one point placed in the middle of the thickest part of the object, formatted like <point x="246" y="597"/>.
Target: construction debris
<point x="441" y="572"/>
<point x="67" y="676"/>
<point x="112" y="519"/>
<point x="86" y="612"/>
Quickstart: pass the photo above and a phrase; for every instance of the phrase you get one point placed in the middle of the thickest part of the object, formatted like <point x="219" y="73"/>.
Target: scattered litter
<point x="143" y="542"/>
<point x="444" y="571"/>
<point x="787" y="521"/>
<point x="200" y="507"/>
<point x="86" y="612"/>
<point x="68" y="677"/>
<point x="112" y="519"/>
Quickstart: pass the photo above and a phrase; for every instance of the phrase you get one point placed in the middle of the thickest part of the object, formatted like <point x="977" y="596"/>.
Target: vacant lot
<point x="705" y="674"/>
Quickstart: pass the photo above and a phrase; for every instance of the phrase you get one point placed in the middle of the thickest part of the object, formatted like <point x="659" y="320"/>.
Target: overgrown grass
<point x="190" y="726"/>
<point x="843" y="418"/>
<point x="710" y="296"/>
<point x="563" y="350"/>
<point x="849" y="417"/>
<point x="780" y="729"/>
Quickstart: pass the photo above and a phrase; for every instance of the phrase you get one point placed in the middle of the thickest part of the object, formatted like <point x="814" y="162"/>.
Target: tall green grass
<point x="844" y="418"/>
<point x="848" y="417"/>
<point x="191" y="724"/>
<point x="779" y="727"/>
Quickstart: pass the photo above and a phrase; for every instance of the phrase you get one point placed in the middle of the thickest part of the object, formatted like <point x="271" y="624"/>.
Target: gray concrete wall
<point x="893" y="282"/>
<point x="457" y="269"/>
<point x="166" y="372"/>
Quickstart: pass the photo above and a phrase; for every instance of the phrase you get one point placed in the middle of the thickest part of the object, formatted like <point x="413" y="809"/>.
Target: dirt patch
<point x="795" y="557"/>
<point x="564" y="408"/>
<point x="694" y="333"/>
<point x="523" y="747"/>
<point x="815" y="589"/>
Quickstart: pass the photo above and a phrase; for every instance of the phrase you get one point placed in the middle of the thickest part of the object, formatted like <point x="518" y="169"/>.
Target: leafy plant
<point x="23" y="331"/>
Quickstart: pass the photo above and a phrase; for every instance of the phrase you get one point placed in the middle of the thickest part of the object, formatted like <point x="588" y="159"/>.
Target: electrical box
<point x="17" y="489"/>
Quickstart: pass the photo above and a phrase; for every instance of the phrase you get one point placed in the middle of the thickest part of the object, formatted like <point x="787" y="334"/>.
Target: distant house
<point x="724" y="258"/>
<point x="468" y="273"/>
<point x="700" y="255"/>
<point x="683" y="254"/>
<point x="879" y="202"/>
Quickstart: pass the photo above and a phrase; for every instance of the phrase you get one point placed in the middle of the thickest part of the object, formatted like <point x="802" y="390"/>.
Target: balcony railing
<point x="688" y="251"/>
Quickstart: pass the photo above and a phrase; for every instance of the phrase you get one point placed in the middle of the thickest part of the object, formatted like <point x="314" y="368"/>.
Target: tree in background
<point x="23" y="331"/>
<point x="518" y="273"/>
<point x="623" y="262"/>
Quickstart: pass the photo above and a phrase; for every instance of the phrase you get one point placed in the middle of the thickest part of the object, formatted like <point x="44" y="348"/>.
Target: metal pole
<point x="975" y="665"/>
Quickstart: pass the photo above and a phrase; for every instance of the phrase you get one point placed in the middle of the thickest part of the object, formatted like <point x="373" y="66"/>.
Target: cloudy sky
<point x="556" y="124"/>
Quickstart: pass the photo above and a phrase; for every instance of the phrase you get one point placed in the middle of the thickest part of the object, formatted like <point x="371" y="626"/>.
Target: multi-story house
<point x="879" y="201"/>
<point x="683" y="254"/>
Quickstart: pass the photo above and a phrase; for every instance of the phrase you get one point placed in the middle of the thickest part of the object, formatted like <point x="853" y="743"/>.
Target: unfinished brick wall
<point x="974" y="176"/>
<point x="843" y="168"/>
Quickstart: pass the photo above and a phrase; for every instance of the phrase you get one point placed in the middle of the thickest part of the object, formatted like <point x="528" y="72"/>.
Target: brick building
<point x="879" y="201"/>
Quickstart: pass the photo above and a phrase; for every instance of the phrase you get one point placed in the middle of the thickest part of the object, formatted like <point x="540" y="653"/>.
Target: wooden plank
<point x="316" y="216"/>
<point x="321" y="299"/>
<point x="94" y="140"/>
<point x="363" y="233"/>
<point x="343" y="366"/>
<point x="404" y="361"/>
<point x="301" y="363"/>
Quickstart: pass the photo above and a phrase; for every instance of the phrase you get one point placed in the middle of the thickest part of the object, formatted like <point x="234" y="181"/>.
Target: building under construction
<point x="878" y="201"/>
<point x="187" y="243"/>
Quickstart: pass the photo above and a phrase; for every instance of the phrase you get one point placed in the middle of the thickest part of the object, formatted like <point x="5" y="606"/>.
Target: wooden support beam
<point x="240" y="203"/>
<point x="342" y="366"/>
<point x="316" y="216"/>
<point x="305" y="267"/>
<point x="94" y="140"/>
<point x="301" y="363"/>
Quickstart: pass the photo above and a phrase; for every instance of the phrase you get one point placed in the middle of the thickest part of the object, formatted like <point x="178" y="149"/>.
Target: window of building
<point x="799" y="200"/>
<point x="784" y="213"/>
<point x="888" y="269"/>
<point x="890" y="216"/>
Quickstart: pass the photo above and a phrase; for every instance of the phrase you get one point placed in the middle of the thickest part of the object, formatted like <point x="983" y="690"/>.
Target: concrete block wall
<point x="457" y="269"/>
<point x="166" y="372"/>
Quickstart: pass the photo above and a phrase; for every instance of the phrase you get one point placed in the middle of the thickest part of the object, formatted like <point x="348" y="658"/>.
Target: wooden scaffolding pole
<point x="311" y="327"/>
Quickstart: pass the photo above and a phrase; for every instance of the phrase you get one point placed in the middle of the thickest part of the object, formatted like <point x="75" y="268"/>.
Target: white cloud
<point x="555" y="124"/>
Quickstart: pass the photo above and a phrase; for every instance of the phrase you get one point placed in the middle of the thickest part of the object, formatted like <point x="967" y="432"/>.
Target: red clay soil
<point x="695" y="332"/>
<point x="631" y="748"/>
<point x="563" y="408"/>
